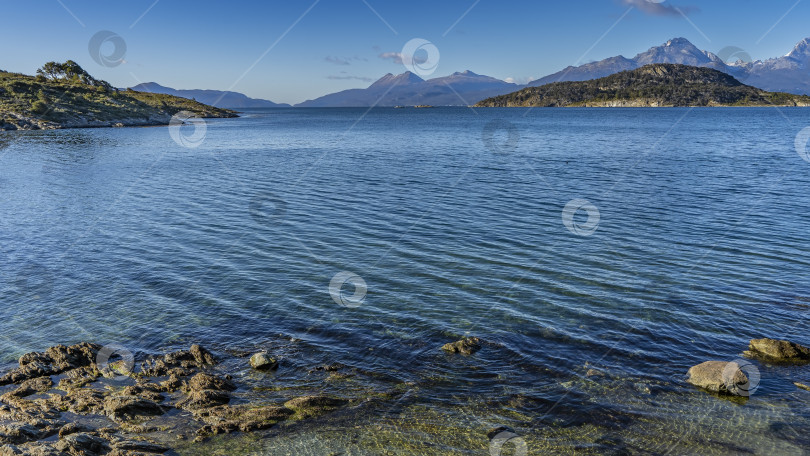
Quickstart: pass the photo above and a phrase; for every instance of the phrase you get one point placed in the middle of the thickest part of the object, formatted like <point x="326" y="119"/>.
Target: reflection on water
<point x="122" y="236"/>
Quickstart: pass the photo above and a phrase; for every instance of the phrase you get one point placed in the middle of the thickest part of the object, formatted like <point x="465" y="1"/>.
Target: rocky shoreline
<point x="88" y="399"/>
<point x="71" y="400"/>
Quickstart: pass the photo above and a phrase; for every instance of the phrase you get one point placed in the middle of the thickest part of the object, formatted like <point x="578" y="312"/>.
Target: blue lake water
<point x="453" y="218"/>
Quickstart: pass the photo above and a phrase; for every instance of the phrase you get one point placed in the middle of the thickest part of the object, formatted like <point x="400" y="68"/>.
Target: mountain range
<point x="789" y="73"/>
<point x="217" y="98"/>
<point x="408" y="89"/>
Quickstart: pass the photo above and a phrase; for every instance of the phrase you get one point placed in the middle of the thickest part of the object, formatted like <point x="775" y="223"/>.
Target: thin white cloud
<point x="396" y="57"/>
<point x="345" y="77"/>
<point x="343" y="60"/>
<point x="658" y="8"/>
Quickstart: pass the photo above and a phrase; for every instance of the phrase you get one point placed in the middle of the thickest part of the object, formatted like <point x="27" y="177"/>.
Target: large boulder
<point x="720" y="377"/>
<point x="779" y="350"/>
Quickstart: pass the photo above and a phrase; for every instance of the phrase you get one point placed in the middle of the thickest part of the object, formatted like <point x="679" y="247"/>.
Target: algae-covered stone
<point x="779" y="350"/>
<point x="263" y="361"/>
<point x="720" y="377"/>
<point x="313" y="406"/>
<point x="802" y="386"/>
<point x="466" y="346"/>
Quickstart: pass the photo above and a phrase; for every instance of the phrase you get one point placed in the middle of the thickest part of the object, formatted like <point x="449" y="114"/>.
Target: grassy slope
<point x="70" y="103"/>
<point x="650" y="85"/>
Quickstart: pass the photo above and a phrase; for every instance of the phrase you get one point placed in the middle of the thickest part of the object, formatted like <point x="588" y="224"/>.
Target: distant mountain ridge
<point x="652" y="85"/>
<point x="408" y="89"/>
<point x="218" y="98"/>
<point x="790" y="73"/>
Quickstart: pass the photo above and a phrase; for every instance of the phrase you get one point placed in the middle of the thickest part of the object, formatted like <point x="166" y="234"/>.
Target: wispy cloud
<point x="348" y="76"/>
<point x="659" y="8"/>
<point x="343" y="60"/>
<point x="396" y="57"/>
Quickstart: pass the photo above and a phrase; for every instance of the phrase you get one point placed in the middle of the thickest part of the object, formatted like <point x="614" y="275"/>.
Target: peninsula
<point x="63" y="95"/>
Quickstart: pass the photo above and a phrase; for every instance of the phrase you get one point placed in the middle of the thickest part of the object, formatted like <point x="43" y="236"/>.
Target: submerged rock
<point x="262" y="361"/>
<point x="466" y="346"/>
<point x="314" y="406"/>
<point x="779" y="350"/>
<point x="721" y="377"/>
<point x="802" y="386"/>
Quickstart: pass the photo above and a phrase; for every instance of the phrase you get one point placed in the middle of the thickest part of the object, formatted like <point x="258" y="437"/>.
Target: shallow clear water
<point x="123" y="236"/>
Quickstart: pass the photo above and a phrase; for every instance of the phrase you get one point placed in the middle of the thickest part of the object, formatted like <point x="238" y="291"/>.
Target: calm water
<point x="123" y="236"/>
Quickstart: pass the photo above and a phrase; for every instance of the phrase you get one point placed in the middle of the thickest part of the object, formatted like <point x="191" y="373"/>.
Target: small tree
<point x="39" y="107"/>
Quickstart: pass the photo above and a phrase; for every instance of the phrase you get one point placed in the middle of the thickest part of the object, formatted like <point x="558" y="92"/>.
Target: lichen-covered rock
<point x="779" y="350"/>
<point x="263" y="361"/>
<point x="466" y="346"/>
<point x="721" y="377"/>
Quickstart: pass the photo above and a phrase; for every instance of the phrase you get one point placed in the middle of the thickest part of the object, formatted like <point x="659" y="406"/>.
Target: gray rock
<point x="720" y="377"/>
<point x="779" y="350"/>
<point x="262" y="361"/>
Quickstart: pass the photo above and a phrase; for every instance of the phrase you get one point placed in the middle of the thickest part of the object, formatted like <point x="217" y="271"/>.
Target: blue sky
<point x="289" y="51"/>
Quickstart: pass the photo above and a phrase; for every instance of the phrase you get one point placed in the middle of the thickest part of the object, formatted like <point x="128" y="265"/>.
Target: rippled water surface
<point x="123" y="236"/>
